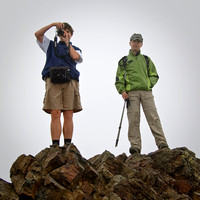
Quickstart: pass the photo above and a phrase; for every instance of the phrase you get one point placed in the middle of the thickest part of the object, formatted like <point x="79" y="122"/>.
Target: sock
<point x="55" y="142"/>
<point x="68" y="141"/>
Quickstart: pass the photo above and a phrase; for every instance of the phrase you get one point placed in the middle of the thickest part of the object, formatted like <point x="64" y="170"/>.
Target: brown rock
<point x="87" y="187"/>
<point x="7" y="191"/>
<point x="68" y="175"/>
<point x="183" y="186"/>
<point x="62" y="173"/>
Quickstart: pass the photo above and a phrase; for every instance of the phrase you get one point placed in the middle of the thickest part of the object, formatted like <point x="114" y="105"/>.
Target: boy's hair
<point x="68" y="26"/>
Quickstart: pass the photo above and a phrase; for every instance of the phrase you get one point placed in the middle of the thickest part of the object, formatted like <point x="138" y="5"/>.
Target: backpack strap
<point x="147" y="61"/>
<point x="124" y="60"/>
<point x="124" y="63"/>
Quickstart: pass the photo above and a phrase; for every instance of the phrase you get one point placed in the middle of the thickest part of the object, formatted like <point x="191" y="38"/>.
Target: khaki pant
<point x="147" y="101"/>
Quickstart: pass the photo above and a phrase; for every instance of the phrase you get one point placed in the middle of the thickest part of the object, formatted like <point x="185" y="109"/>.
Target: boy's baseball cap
<point x="136" y="36"/>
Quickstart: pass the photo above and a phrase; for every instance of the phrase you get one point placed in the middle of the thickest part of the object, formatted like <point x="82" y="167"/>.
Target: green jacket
<point x="136" y="73"/>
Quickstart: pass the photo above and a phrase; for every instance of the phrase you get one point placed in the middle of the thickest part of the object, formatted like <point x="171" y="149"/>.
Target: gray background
<point x="102" y="30"/>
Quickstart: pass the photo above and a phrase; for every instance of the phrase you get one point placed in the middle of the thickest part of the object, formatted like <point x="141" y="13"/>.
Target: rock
<point x="62" y="173"/>
<point x="7" y="191"/>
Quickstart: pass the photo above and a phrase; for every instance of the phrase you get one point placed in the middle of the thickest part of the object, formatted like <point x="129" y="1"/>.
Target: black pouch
<point x="60" y="74"/>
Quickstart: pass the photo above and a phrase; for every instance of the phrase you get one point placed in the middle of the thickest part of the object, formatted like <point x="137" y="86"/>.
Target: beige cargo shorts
<point x="62" y="96"/>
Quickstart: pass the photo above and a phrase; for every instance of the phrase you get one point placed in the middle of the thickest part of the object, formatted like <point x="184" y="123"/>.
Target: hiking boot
<point x="133" y="150"/>
<point x="163" y="146"/>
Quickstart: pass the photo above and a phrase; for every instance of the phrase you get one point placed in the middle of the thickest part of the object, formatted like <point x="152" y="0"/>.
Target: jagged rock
<point x="7" y="191"/>
<point x="63" y="174"/>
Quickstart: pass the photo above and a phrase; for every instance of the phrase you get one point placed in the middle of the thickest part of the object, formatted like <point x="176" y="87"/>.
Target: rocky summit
<point x="61" y="173"/>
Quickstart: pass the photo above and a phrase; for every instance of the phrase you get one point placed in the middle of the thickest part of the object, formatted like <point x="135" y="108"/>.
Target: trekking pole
<point x="120" y="125"/>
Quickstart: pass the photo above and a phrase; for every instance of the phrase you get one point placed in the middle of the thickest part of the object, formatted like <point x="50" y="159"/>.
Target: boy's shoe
<point x="54" y="145"/>
<point x="133" y="150"/>
<point x="65" y="145"/>
<point x="163" y="146"/>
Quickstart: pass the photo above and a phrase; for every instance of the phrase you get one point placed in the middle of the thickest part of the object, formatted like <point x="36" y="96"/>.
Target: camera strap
<point x="56" y="51"/>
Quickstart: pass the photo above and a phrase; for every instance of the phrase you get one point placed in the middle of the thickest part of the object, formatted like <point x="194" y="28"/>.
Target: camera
<point x="60" y="32"/>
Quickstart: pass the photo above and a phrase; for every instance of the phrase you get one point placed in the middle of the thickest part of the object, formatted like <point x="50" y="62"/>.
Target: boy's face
<point x="135" y="45"/>
<point x="67" y="35"/>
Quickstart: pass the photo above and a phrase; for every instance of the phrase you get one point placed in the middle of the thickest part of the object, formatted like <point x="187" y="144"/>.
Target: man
<point x="136" y="76"/>
<point x="60" y="96"/>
